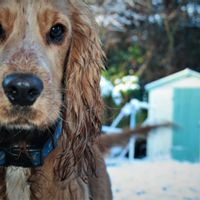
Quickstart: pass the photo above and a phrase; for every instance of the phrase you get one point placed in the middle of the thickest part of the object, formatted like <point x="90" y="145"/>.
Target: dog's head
<point x="50" y="63"/>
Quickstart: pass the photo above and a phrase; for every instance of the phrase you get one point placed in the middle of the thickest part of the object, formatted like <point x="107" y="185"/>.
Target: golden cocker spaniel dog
<point x="50" y="106"/>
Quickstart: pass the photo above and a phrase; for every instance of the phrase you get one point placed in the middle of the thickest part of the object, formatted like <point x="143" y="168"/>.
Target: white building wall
<point x="160" y="110"/>
<point x="159" y="142"/>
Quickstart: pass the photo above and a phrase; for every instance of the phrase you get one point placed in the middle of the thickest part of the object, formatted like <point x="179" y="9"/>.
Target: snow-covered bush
<point x="120" y="87"/>
<point x="123" y="86"/>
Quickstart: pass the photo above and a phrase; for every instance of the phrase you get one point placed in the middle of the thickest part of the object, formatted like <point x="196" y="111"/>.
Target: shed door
<point x="186" y="138"/>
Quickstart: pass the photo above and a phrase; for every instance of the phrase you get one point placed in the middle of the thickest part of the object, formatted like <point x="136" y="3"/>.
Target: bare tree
<point x="166" y="31"/>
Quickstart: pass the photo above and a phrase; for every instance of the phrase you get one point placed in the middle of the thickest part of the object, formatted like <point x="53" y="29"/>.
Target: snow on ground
<point x="158" y="180"/>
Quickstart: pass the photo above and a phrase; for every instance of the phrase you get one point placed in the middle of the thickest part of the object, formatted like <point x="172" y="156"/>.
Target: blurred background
<point x="153" y="76"/>
<point x="147" y="40"/>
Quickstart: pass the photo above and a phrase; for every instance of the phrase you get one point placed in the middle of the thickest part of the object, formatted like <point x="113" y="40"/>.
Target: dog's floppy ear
<point x="83" y="106"/>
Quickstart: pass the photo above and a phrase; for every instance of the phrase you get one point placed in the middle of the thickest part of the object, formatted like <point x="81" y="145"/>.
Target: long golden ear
<point x="83" y="105"/>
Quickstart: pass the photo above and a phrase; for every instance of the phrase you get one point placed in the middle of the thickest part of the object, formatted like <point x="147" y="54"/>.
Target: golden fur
<point x="70" y="72"/>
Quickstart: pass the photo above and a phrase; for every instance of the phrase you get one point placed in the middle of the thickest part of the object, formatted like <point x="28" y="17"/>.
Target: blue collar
<point x="34" y="156"/>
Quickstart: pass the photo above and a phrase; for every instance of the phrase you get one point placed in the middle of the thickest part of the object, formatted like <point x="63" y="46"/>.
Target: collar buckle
<point x="33" y="156"/>
<point x="14" y="157"/>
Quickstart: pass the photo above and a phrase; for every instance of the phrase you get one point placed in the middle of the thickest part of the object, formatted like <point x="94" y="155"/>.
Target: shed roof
<point x="171" y="78"/>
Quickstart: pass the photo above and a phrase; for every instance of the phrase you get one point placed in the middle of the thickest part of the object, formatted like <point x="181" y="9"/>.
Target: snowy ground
<point x="161" y="180"/>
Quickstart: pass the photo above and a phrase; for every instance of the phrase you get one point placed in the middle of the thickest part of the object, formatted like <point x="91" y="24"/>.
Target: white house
<point x="175" y="98"/>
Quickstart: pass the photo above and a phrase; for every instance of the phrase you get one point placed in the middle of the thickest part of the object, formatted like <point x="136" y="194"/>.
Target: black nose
<point x="22" y="89"/>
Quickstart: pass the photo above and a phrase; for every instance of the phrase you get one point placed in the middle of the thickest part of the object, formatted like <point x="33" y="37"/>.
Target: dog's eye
<point x="2" y="33"/>
<point x="56" y="34"/>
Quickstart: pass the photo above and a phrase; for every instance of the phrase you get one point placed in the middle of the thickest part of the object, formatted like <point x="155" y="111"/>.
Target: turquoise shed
<point x="175" y="98"/>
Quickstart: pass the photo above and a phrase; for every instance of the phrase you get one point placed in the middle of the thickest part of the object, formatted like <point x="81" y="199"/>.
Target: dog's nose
<point x="22" y="89"/>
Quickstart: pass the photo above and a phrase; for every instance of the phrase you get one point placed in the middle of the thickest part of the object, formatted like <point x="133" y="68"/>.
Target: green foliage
<point x="122" y="61"/>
